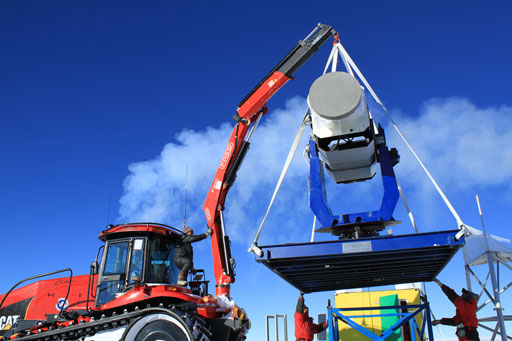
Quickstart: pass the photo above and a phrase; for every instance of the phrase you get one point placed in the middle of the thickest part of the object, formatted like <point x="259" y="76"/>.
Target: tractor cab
<point x="140" y="253"/>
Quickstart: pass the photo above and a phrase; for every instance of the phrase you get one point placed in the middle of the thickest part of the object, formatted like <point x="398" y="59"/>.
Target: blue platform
<point x="360" y="263"/>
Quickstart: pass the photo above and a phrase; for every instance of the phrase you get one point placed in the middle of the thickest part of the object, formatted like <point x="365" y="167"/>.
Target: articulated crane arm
<point x="249" y="111"/>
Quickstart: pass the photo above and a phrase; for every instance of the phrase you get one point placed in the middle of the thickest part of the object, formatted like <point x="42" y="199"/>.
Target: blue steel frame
<point x="388" y="243"/>
<point x="318" y="198"/>
<point x="335" y="314"/>
<point x="364" y="262"/>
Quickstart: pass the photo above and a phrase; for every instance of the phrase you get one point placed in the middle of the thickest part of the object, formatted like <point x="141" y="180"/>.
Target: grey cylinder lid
<point x="334" y="95"/>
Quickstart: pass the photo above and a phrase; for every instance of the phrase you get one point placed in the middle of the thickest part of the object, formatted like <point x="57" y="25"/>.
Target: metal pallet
<point x="368" y="262"/>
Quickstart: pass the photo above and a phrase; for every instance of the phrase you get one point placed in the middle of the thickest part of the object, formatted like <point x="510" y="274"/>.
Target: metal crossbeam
<point x="481" y="285"/>
<point x="336" y="314"/>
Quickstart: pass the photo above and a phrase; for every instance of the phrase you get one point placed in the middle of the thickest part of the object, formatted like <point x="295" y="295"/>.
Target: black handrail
<point x="145" y="223"/>
<point x="44" y="275"/>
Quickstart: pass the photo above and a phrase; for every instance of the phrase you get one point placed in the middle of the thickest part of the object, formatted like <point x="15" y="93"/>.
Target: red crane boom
<point x="249" y="112"/>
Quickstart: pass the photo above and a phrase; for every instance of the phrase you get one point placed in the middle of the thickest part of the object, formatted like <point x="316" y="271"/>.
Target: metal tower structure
<point x="495" y="252"/>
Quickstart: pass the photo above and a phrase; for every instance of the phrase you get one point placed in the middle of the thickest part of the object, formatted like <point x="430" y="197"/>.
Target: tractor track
<point x="80" y="330"/>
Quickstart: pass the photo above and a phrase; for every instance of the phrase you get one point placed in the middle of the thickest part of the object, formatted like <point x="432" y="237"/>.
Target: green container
<point x="388" y="321"/>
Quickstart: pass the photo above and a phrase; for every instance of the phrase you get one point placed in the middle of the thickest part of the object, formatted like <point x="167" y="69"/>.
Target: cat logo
<point x="6" y="322"/>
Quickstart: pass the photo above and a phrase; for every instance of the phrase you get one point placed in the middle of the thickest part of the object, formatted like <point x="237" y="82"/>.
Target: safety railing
<point x="406" y="315"/>
<point x="276" y="320"/>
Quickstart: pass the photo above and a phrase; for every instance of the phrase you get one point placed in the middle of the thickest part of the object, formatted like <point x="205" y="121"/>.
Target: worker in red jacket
<point x="465" y="313"/>
<point x="304" y="326"/>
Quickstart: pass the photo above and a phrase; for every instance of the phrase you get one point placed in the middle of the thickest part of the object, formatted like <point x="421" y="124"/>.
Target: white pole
<point x="277" y="329"/>
<point x="266" y="325"/>
<point x="285" y="328"/>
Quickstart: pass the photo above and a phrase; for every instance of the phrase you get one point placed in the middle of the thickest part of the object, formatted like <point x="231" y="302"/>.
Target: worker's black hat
<point x="469" y="294"/>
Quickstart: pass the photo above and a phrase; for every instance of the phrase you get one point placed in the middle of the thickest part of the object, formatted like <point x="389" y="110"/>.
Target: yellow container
<point x="371" y="300"/>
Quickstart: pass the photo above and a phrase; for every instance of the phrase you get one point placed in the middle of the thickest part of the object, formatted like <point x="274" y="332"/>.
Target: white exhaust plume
<point x="463" y="146"/>
<point x="154" y="190"/>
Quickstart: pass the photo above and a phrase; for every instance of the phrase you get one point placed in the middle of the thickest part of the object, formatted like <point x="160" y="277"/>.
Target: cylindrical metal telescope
<point x="342" y="127"/>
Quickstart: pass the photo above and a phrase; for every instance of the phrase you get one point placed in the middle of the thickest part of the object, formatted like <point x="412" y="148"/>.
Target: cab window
<point x="113" y="276"/>
<point x="161" y="262"/>
<point x="136" y="261"/>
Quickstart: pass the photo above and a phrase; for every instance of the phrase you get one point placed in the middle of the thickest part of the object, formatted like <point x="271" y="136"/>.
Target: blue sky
<point x="102" y="104"/>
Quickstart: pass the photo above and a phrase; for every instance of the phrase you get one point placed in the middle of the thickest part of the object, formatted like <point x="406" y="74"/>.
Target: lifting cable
<point x="351" y="67"/>
<point x="254" y="249"/>
<point x="406" y="205"/>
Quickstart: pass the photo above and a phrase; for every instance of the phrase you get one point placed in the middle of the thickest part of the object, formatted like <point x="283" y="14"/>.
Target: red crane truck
<point x="131" y="291"/>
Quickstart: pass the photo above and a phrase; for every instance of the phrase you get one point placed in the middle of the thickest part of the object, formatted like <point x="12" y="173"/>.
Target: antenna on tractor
<point x="185" y="214"/>
<point x="108" y="207"/>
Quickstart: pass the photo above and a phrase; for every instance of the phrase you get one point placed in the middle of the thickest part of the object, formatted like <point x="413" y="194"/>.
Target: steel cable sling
<point x="349" y="65"/>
